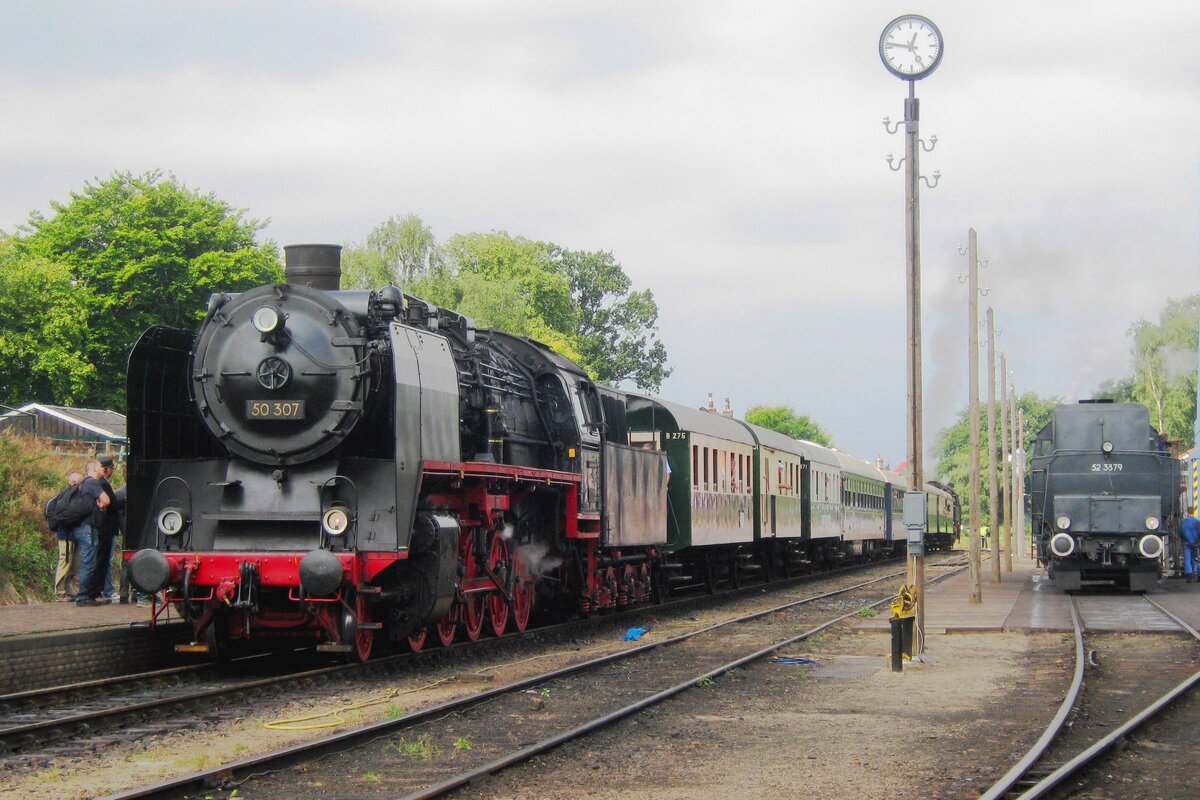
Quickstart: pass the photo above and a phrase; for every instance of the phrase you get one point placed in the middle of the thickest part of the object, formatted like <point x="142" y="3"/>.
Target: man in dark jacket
<point x="110" y="526"/>
<point x="87" y="537"/>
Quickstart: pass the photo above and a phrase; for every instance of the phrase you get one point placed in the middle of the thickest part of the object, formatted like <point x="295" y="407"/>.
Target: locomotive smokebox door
<point x="914" y="520"/>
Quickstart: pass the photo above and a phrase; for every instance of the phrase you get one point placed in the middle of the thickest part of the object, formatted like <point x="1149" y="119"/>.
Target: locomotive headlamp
<point x="1150" y="546"/>
<point x="1062" y="522"/>
<point x="335" y="521"/>
<point x="1107" y="447"/>
<point x="1152" y="523"/>
<point x="266" y="320"/>
<point x="1062" y="544"/>
<point x="170" y="521"/>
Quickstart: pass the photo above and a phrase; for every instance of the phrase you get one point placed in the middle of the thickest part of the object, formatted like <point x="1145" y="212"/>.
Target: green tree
<point x="43" y="331"/>
<point x="497" y="301"/>
<point x="397" y="251"/>
<point x="954" y="446"/>
<point x="786" y="421"/>
<point x="580" y="303"/>
<point x="1164" y="366"/>
<point x="530" y="264"/>
<point x="144" y="250"/>
<point x="617" y="328"/>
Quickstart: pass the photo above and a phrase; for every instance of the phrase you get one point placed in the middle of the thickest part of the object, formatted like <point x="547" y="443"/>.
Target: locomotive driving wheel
<point x="416" y="641"/>
<point x="472" y="604"/>
<point x="522" y="591"/>
<point x="354" y="611"/>
<point x="497" y="606"/>
<point x="445" y="627"/>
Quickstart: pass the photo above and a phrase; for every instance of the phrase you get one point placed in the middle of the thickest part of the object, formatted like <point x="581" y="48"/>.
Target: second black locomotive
<point x="1103" y="496"/>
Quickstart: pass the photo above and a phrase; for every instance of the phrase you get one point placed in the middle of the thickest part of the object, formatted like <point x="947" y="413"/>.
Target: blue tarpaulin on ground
<point x="633" y="634"/>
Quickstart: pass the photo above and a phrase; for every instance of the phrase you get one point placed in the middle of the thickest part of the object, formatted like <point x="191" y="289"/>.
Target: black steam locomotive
<point x="330" y="464"/>
<point x="1104" y="495"/>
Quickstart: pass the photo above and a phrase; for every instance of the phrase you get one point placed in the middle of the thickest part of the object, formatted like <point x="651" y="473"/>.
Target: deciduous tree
<point x="143" y="250"/>
<point x="786" y="421"/>
<point x="1164" y="366"/>
<point x="954" y="445"/>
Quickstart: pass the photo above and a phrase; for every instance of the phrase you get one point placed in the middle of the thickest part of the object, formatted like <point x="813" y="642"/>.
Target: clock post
<point x="911" y="48"/>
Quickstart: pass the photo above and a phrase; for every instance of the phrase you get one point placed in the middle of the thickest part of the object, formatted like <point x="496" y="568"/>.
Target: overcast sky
<point x="730" y="155"/>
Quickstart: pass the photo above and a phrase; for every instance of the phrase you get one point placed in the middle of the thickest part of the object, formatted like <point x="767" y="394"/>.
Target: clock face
<point x="911" y="47"/>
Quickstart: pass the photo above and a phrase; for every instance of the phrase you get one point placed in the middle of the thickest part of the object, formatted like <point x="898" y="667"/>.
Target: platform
<point x="45" y="644"/>
<point x="34" y="618"/>
<point x="1025" y="600"/>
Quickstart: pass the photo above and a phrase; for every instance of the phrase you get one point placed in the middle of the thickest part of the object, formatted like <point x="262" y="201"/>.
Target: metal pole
<point x="912" y="236"/>
<point x="973" y="558"/>
<point x="993" y="517"/>
<point x="1005" y="483"/>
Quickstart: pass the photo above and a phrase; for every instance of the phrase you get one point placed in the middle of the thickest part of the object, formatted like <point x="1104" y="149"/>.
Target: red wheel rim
<point x="473" y="616"/>
<point x="522" y="592"/>
<point x="497" y="606"/>
<point x="472" y="605"/>
<point x="444" y="628"/>
<point x="416" y="641"/>
<point x="362" y="639"/>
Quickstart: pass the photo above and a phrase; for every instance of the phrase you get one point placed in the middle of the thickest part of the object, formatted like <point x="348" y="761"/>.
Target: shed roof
<point x="109" y="424"/>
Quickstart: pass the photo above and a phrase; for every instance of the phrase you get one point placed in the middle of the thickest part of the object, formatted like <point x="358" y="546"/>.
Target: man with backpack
<point x="87" y="536"/>
<point x="65" y="576"/>
<point x="110" y="527"/>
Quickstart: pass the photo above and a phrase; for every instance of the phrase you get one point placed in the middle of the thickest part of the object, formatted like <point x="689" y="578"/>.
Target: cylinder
<point x="315" y="265"/>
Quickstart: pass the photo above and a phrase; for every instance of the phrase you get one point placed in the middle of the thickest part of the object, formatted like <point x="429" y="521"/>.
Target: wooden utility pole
<point x="1005" y="483"/>
<point x="974" y="556"/>
<point x="993" y="517"/>
<point x="1020" y="516"/>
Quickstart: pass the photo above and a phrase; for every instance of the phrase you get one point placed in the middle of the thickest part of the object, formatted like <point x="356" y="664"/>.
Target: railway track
<point x="1095" y="715"/>
<point x="431" y="751"/>
<point x="39" y="726"/>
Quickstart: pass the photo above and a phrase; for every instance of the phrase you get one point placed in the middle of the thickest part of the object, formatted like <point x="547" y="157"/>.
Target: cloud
<point x="731" y="158"/>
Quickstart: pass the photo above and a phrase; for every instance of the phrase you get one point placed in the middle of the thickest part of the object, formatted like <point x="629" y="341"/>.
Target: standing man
<point x="87" y="537"/>
<point x="110" y="526"/>
<point x="66" y="577"/>
<point x="1189" y="531"/>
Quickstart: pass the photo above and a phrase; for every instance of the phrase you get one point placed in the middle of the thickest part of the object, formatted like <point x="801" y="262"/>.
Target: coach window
<point x="695" y="466"/>
<point x="704" y="456"/>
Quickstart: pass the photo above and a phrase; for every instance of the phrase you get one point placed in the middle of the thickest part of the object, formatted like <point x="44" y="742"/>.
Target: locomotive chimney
<point x="315" y="265"/>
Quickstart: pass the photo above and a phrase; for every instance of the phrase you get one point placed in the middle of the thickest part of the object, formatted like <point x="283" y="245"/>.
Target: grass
<point x="422" y="747"/>
<point x="194" y="763"/>
<point x="866" y="612"/>
<point x="52" y="775"/>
